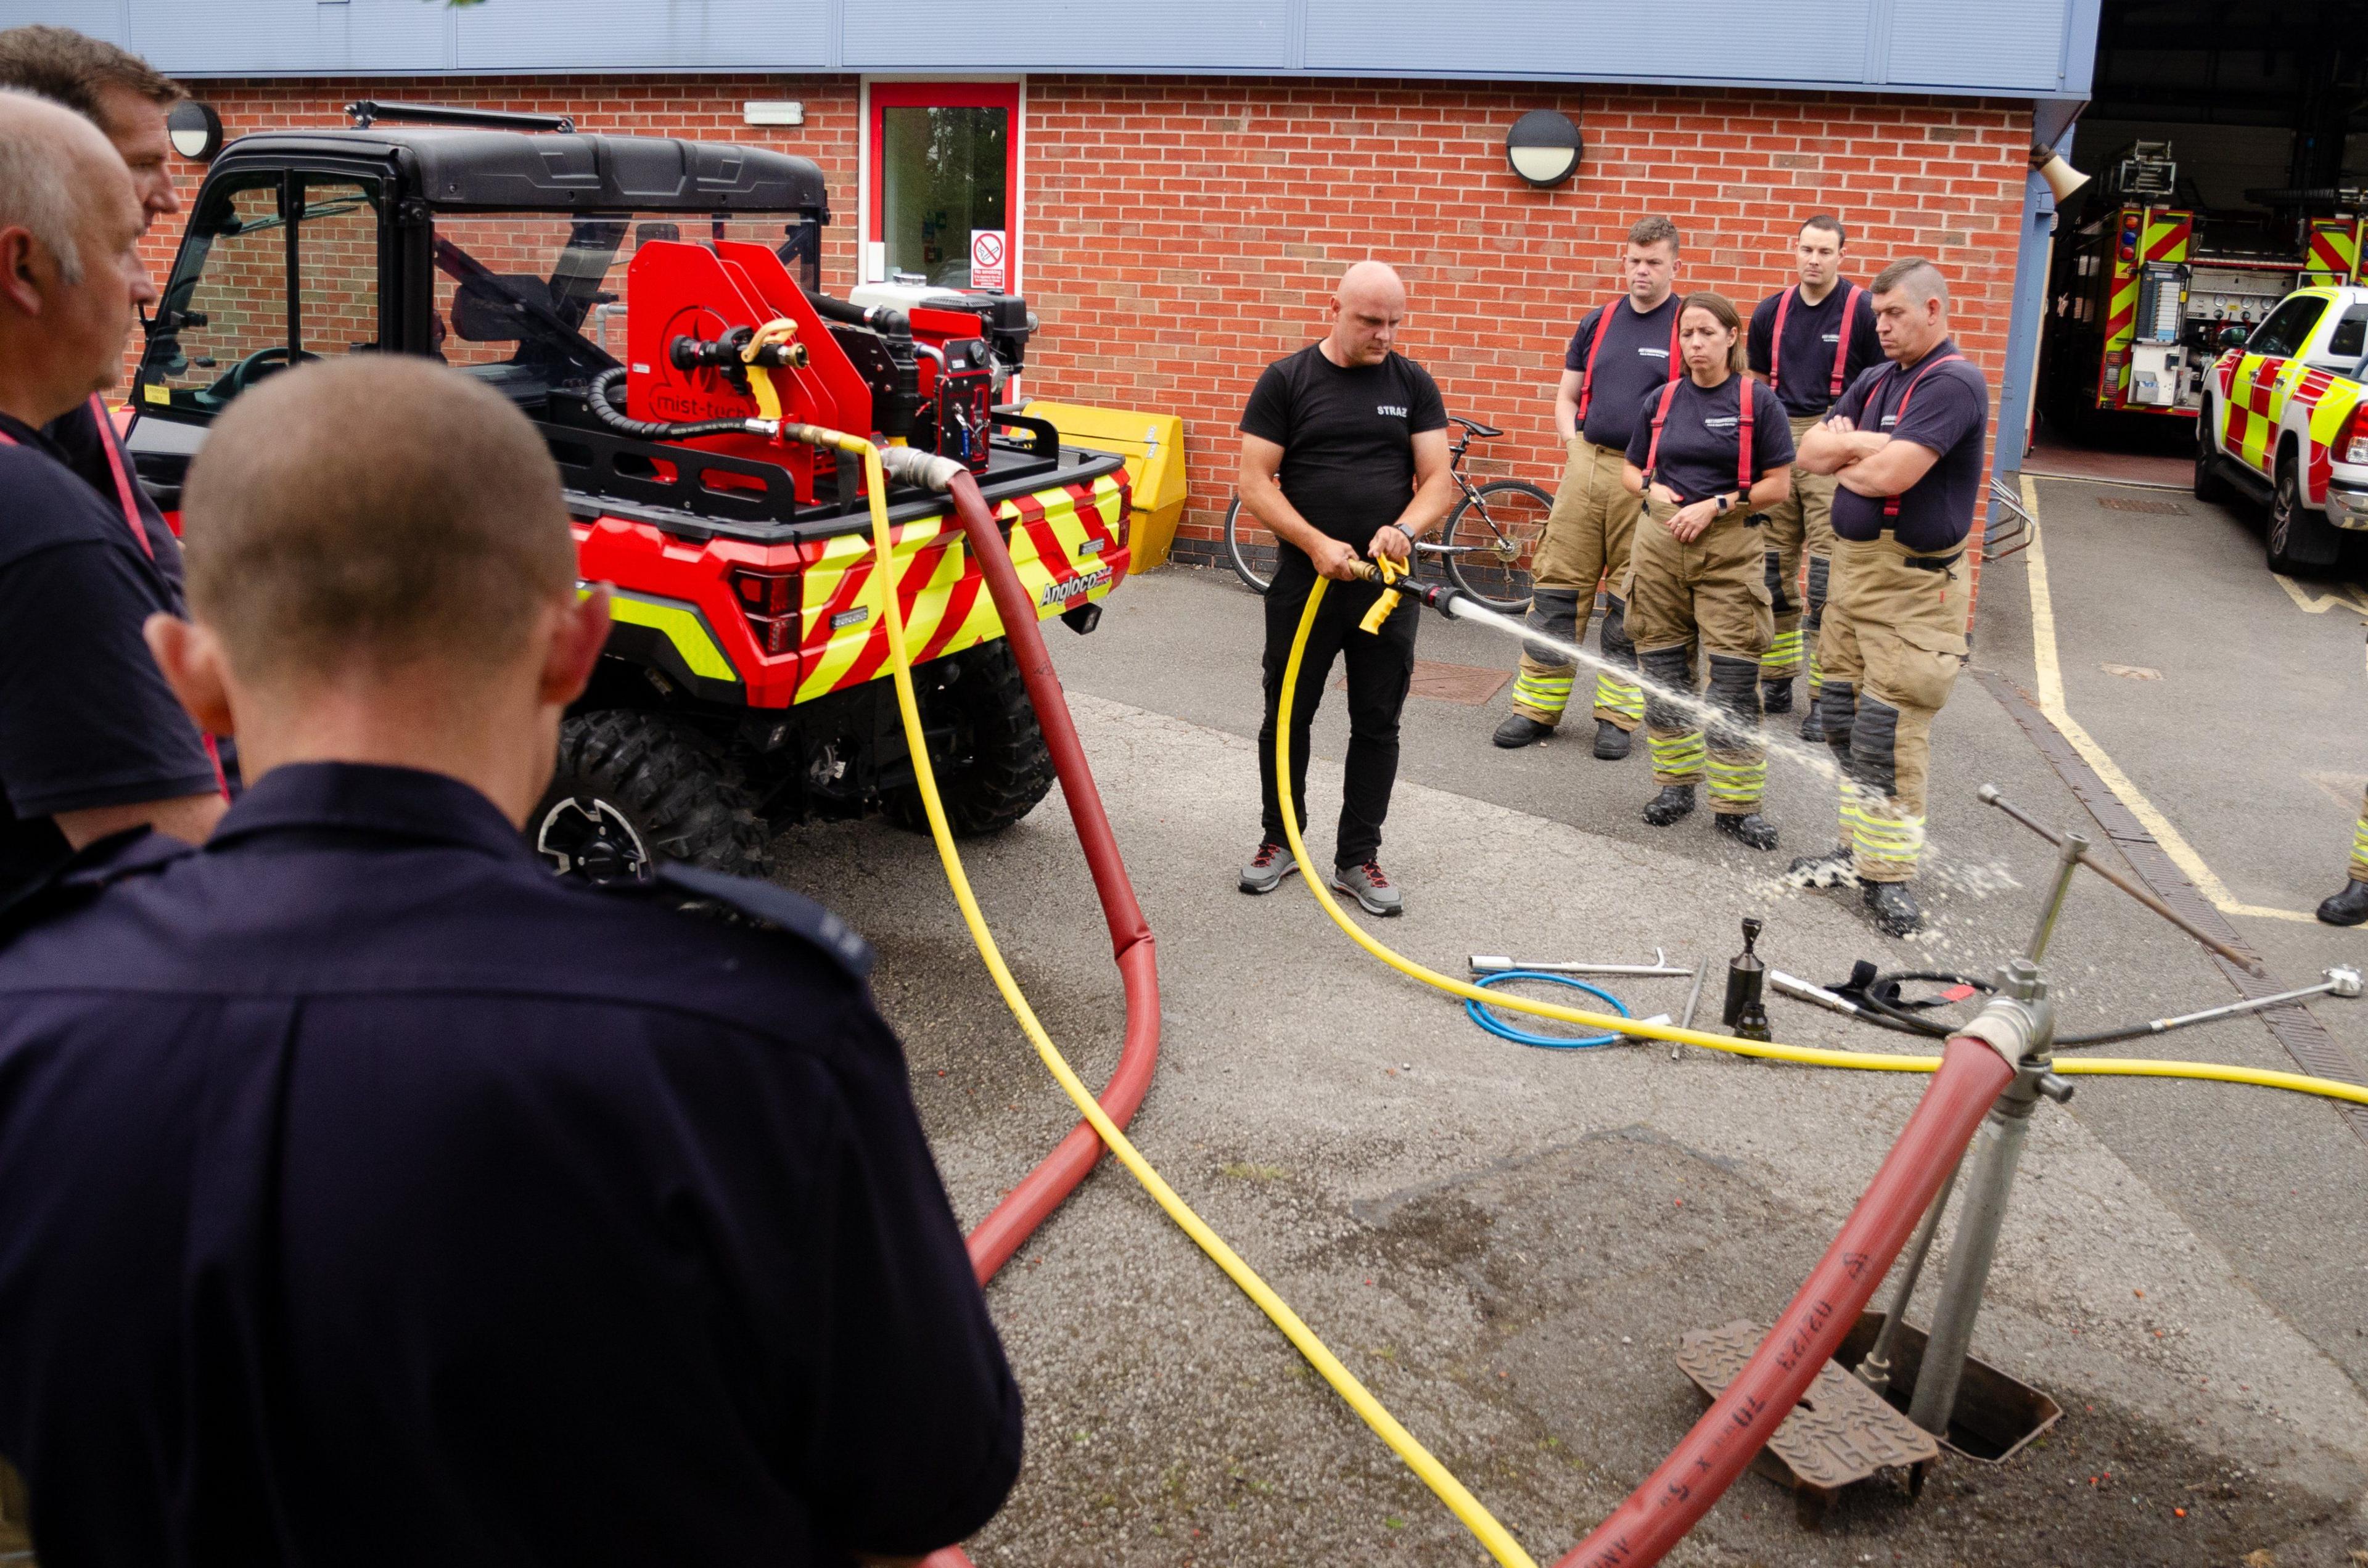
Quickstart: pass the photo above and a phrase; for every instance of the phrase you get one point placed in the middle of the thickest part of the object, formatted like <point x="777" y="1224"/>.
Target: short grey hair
<point x="35" y="181"/>
<point x="1916" y="274"/>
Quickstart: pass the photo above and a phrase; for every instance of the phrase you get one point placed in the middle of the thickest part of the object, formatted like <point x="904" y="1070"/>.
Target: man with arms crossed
<point x="1904" y="448"/>
<point x="374" y="1196"/>
<point x="91" y="741"/>
<point x="1344" y="445"/>
<point x="1622" y="350"/>
<point x="1809" y="341"/>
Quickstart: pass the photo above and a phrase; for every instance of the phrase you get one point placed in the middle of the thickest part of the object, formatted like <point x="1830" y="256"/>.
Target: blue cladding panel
<point x="99" y="18"/>
<point x="638" y="35"/>
<point x="1068" y="35"/>
<point x="202" y="37"/>
<point x="2000" y="43"/>
<point x="1730" y="41"/>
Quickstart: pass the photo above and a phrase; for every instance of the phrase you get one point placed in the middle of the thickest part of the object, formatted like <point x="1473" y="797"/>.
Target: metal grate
<point x="2141" y="504"/>
<point x="1467" y="684"/>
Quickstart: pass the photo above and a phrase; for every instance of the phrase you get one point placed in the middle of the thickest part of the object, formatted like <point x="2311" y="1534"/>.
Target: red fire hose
<point x="1660" y="1512"/>
<point x="1657" y="1514"/>
<point x="1028" y="1206"/>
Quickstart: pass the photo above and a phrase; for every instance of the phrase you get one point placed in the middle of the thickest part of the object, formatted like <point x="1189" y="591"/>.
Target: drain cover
<point x="1841" y="1433"/>
<point x="2141" y="504"/>
<point x="1467" y="684"/>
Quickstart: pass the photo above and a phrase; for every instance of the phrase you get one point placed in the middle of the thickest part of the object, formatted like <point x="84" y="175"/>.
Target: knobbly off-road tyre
<point x="996" y="767"/>
<point x="632" y="786"/>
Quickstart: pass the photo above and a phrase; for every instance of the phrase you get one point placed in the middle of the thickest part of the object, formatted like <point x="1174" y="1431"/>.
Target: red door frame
<point x="1004" y="96"/>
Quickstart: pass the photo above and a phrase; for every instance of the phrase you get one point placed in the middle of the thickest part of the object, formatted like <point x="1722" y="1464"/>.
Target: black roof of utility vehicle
<point x="458" y="168"/>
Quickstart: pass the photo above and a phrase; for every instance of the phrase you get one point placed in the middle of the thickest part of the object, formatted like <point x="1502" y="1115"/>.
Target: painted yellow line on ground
<point x="2051" y="703"/>
<point x="2345" y="596"/>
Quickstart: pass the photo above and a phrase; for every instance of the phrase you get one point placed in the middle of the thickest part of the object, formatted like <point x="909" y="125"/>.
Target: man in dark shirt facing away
<point x="91" y="741"/>
<point x="1344" y="445"/>
<point x="373" y="1197"/>
<point x="1623" y="350"/>
<point x="1905" y="445"/>
<point x="1809" y="340"/>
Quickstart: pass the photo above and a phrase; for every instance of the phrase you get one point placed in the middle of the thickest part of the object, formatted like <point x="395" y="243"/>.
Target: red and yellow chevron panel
<point x="2334" y="252"/>
<point x="2162" y="236"/>
<point x="1066" y="541"/>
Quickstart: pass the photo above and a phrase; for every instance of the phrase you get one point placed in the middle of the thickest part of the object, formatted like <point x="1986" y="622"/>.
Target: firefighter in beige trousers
<point x="1709" y="449"/>
<point x="1905" y="448"/>
<point x="1622" y="349"/>
<point x="1809" y="340"/>
<point x="1587" y="538"/>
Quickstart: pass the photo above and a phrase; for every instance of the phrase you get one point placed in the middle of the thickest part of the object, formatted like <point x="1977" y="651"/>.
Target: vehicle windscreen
<point x="284" y="267"/>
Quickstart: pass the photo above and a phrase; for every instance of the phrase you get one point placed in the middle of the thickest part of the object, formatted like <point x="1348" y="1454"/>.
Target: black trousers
<point x="1381" y="668"/>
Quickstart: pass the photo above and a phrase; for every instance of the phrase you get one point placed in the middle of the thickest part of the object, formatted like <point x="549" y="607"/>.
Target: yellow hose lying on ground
<point x="1466" y="1508"/>
<point x="1807" y="1056"/>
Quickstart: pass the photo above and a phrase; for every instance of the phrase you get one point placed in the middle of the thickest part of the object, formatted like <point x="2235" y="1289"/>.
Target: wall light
<point x="1543" y="148"/>
<point x="195" y="128"/>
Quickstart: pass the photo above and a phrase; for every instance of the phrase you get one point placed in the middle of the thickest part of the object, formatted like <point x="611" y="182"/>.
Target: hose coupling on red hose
<point x="2018" y="1023"/>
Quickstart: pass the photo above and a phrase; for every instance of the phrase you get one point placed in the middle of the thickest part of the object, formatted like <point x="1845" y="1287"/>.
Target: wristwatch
<point x="1402" y="529"/>
<point x="1724" y="502"/>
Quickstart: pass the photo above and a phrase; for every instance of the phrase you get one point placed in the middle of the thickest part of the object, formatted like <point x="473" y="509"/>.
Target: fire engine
<point x="2151" y="287"/>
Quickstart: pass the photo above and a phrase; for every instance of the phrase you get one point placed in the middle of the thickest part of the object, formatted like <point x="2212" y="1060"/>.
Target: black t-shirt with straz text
<point x="1347" y="435"/>
<point x="1639" y="354"/>
<point x="1702" y="440"/>
<point x="1805" y="371"/>
<point x="1947" y="411"/>
<point x="85" y="717"/>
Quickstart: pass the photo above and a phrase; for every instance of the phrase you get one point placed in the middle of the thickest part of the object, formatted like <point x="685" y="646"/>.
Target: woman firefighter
<point x="1709" y="448"/>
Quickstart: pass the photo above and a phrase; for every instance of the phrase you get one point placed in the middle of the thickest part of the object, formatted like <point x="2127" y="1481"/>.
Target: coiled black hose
<point x="1886" y="1015"/>
<point x="604" y="386"/>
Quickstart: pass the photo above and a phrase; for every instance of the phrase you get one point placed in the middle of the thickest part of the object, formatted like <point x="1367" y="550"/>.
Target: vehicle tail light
<point x="2352" y="441"/>
<point x="769" y="600"/>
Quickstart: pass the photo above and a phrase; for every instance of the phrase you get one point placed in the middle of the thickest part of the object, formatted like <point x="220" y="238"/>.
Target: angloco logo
<point x="1083" y="583"/>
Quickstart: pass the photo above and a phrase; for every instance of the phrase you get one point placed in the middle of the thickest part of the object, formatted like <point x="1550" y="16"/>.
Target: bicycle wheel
<point x="1493" y="538"/>
<point x="1238" y="553"/>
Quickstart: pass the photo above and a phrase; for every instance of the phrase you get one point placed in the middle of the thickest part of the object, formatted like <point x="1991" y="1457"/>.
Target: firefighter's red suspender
<point x="1891" y="503"/>
<point x="1841" y="346"/>
<point x="1743" y="475"/>
<point x="1602" y="326"/>
<point x="125" y="497"/>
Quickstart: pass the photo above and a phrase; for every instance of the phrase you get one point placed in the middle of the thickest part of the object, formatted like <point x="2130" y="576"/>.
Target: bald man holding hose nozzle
<point x="1343" y="444"/>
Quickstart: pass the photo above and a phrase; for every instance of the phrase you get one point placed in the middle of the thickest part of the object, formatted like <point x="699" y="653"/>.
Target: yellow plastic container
<point x="1153" y="446"/>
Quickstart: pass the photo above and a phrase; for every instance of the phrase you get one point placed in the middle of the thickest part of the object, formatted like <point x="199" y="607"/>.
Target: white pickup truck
<point x="2285" y="418"/>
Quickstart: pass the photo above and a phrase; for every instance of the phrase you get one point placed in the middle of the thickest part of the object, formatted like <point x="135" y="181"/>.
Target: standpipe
<point x="2001" y="1048"/>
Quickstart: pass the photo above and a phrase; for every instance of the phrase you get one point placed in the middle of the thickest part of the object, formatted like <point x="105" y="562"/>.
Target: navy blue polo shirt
<point x="84" y="440"/>
<point x="1948" y="412"/>
<point x="1805" y="371"/>
<point x="86" y="718"/>
<point x="369" y="1195"/>
<point x="1638" y="356"/>
<point x="1702" y="438"/>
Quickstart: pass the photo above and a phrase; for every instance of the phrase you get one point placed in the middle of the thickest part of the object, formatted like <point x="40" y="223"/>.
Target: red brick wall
<point x="1180" y="234"/>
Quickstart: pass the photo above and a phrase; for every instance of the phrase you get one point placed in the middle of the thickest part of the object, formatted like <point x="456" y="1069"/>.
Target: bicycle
<point x="1490" y="541"/>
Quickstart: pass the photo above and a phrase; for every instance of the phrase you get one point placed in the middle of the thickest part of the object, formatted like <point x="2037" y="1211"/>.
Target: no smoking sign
<point x="990" y="259"/>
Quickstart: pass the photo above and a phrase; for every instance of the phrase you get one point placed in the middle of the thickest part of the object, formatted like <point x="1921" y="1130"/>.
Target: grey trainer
<point x="1369" y="887"/>
<point x="1266" y="870"/>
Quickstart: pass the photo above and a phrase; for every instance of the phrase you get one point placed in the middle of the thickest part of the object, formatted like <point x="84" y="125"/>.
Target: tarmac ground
<point x="1506" y="1242"/>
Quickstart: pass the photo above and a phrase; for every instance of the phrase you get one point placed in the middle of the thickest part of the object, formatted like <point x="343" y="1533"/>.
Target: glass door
<point x="945" y="184"/>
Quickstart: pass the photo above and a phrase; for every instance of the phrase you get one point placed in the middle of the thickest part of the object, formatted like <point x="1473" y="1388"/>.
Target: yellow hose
<point x="1808" y="1056"/>
<point x="1492" y="1535"/>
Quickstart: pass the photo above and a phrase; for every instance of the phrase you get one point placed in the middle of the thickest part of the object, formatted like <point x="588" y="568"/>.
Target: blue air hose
<point x="1503" y="1030"/>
